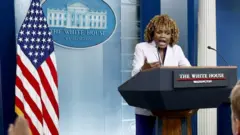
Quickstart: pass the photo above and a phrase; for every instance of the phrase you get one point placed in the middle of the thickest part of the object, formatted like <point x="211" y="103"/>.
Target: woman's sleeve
<point x="138" y="59"/>
<point x="183" y="61"/>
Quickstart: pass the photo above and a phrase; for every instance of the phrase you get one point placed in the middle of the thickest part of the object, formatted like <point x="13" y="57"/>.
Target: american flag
<point x="36" y="89"/>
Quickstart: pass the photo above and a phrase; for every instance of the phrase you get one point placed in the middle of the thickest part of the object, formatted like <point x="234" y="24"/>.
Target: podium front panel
<point x="163" y="89"/>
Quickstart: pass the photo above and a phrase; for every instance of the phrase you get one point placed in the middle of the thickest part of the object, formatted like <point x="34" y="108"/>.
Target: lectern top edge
<point x="198" y="67"/>
<point x="192" y="67"/>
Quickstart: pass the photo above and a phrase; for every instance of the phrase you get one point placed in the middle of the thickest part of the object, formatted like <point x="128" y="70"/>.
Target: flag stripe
<point x="20" y="113"/>
<point x="50" y="79"/>
<point x="48" y="90"/>
<point x="31" y="91"/>
<point x="31" y="103"/>
<point x="49" y="121"/>
<point x="53" y="57"/>
<point x="46" y="129"/>
<point x="47" y="104"/>
<point x="28" y="110"/>
<point x="32" y="127"/>
<point x="33" y="118"/>
<point x="28" y="75"/>
<point x="19" y="106"/>
<point x="53" y="68"/>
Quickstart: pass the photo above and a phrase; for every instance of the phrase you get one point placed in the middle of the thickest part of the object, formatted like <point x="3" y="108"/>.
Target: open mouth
<point x="162" y="41"/>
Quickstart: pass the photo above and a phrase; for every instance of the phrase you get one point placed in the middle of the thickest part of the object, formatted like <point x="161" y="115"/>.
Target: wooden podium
<point x="174" y="94"/>
<point x="172" y="122"/>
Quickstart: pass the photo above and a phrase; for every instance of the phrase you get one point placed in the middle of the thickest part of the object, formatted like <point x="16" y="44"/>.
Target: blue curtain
<point x="8" y="63"/>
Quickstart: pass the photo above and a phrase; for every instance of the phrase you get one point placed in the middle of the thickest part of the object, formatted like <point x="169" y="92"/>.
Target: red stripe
<point x="199" y="79"/>
<point x="48" y="90"/>
<point x="53" y="70"/>
<point x="19" y="104"/>
<point x="28" y="75"/>
<point x="29" y="100"/>
<point x="51" y="126"/>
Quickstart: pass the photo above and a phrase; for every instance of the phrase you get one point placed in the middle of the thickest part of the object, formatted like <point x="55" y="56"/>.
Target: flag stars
<point x="30" y="18"/>
<point x="37" y="4"/>
<point x="33" y="33"/>
<point x="31" y="47"/>
<point x="36" y="54"/>
<point x="24" y="25"/>
<point x="20" y="39"/>
<point x="37" y="12"/>
<point x="29" y="25"/>
<point x="38" y="40"/>
<point x="34" y="26"/>
<point x="35" y="19"/>
<point x="35" y="61"/>
<point x="42" y="53"/>
<point x="21" y="32"/>
<point x="34" y="36"/>
<point x="30" y="54"/>
<point x="37" y="47"/>
<point x="25" y="47"/>
<point x="32" y="11"/>
<point x="49" y="40"/>
<point x="33" y="39"/>
<point x="28" y="32"/>
<point x="26" y="39"/>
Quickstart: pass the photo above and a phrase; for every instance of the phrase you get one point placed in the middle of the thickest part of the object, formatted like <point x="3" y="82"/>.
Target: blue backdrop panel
<point x="192" y="31"/>
<point x="1" y="104"/>
<point x="192" y="43"/>
<point x="228" y="20"/>
<point x="8" y="61"/>
<point x="147" y="11"/>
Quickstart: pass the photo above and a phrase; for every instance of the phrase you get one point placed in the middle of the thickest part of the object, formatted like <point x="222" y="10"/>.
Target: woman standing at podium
<point x="159" y="49"/>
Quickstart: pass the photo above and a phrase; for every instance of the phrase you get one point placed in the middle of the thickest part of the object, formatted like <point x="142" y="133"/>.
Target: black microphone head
<point x="209" y="47"/>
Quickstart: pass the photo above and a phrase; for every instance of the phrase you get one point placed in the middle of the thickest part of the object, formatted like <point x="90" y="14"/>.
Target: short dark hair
<point x="161" y="20"/>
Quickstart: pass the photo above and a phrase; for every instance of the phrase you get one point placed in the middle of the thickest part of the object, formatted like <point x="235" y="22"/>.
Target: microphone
<point x="159" y="59"/>
<point x="210" y="48"/>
